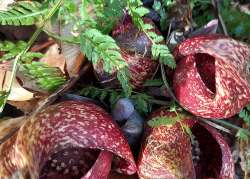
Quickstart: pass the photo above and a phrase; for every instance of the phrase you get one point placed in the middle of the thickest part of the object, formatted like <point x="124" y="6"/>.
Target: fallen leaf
<point x="53" y="58"/>
<point x="10" y="125"/>
<point x="17" y="93"/>
<point x="27" y="106"/>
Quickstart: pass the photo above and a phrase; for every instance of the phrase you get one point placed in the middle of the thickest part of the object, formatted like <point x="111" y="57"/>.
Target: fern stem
<point x="28" y="46"/>
<point x="62" y="39"/>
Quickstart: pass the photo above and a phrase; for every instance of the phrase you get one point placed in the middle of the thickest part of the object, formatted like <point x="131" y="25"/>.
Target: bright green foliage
<point x="3" y="97"/>
<point x="101" y="94"/>
<point x="237" y="22"/>
<point x="159" y="51"/>
<point x="244" y="114"/>
<point x="163" y="121"/>
<point x="153" y="82"/>
<point x="97" y="46"/>
<point x="143" y="102"/>
<point x="242" y="135"/>
<point x="162" y="52"/>
<point x="109" y="14"/>
<point x="123" y="75"/>
<point x="11" y="50"/>
<point x="47" y="78"/>
<point x="23" y="13"/>
<point x="101" y="15"/>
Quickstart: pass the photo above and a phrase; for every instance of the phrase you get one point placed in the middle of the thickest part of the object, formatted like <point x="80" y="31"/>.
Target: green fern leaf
<point x="242" y="135"/>
<point x="162" y="52"/>
<point x="23" y="13"/>
<point x="47" y="78"/>
<point x="97" y="46"/>
<point x="244" y="114"/>
<point x="159" y="50"/>
<point x="143" y="102"/>
<point x="11" y="50"/>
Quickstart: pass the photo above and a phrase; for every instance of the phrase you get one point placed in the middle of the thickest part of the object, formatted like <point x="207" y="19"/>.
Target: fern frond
<point x="101" y="94"/>
<point x="22" y="13"/>
<point x="162" y="52"/>
<point x="47" y="78"/>
<point x="143" y="102"/>
<point x="11" y="50"/>
<point x="97" y="46"/>
<point x="245" y="115"/>
<point x="242" y="135"/>
<point x="159" y="51"/>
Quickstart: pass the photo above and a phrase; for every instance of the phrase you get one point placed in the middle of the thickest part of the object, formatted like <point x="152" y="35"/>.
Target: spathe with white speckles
<point x="166" y="152"/>
<point x="212" y="78"/>
<point x="71" y="139"/>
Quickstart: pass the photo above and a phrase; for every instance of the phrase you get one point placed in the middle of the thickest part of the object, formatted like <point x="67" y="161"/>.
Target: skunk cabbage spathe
<point x="167" y="152"/>
<point x="71" y="139"/>
<point x="212" y="78"/>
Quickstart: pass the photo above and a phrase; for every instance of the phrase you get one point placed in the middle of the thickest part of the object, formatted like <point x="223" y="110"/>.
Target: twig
<point x="217" y="10"/>
<point x="39" y="47"/>
<point x="170" y="92"/>
<point x="211" y="123"/>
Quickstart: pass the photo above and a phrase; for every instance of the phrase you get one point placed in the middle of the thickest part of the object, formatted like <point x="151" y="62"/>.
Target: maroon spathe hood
<point x="67" y="140"/>
<point x="167" y="153"/>
<point x="136" y="51"/>
<point x="212" y="78"/>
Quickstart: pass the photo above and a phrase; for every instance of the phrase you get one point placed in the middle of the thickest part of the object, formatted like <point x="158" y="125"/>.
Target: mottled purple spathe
<point x="67" y="132"/>
<point x="166" y="152"/>
<point x="212" y="78"/>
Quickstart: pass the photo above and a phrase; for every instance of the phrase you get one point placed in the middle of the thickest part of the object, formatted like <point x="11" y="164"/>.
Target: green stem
<point x="28" y="46"/>
<point x="231" y="125"/>
<point x="170" y="92"/>
<point x="63" y="39"/>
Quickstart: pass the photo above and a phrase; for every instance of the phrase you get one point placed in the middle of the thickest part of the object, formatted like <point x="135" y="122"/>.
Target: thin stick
<point x="38" y="47"/>
<point x="217" y="9"/>
<point x="170" y="92"/>
<point x="211" y="123"/>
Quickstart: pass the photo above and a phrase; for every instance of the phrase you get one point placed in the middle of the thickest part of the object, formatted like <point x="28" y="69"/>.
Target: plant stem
<point x="216" y="123"/>
<point x="231" y="125"/>
<point x="28" y="46"/>
<point x="63" y="39"/>
<point x="170" y="92"/>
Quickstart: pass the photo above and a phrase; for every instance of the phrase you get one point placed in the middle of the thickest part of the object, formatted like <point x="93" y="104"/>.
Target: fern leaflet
<point x="47" y="78"/>
<point x="97" y="46"/>
<point x="23" y="13"/>
<point x="159" y="50"/>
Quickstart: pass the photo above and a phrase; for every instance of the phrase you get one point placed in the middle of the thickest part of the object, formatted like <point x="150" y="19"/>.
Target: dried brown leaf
<point x="53" y="58"/>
